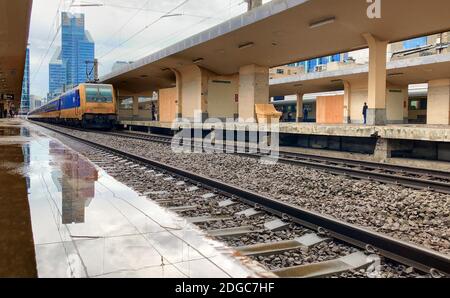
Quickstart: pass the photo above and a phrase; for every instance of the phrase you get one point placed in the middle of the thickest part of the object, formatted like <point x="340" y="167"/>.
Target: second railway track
<point x="416" y="178"/>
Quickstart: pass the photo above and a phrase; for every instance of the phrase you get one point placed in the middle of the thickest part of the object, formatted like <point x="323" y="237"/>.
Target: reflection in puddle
<point x="77" y="183"/>
<point x="12" y="131"/>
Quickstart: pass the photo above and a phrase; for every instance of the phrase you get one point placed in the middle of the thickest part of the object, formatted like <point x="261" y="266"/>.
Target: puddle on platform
<point x="87" y="224"/>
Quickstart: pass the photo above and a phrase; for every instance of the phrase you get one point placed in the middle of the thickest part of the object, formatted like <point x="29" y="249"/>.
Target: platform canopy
<point x="14" y="28"/>
<point x="399" y="73"/>
<point x="285" y="31"/>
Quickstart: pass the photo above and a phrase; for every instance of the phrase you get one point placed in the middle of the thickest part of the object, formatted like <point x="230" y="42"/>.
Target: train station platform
<point x="81" y="222"/>
<point x="434" y="133"/>
<point x="417" y="145"/>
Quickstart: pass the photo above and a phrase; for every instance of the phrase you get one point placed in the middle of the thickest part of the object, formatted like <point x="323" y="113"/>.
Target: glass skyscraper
<point x="68" y="66"/>
<point x="25" y="99"/>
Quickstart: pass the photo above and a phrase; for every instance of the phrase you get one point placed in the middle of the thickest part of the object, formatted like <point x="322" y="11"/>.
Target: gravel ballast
<point x="156" y="185"/>
<point x="418" y="216"/>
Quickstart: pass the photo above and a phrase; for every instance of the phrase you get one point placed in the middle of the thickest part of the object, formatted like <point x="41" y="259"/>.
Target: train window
<point x="126" y="103"/>
<point x="99" y="94"/>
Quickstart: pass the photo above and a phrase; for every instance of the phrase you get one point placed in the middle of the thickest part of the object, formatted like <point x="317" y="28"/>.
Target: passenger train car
<point x="87" y="105"/>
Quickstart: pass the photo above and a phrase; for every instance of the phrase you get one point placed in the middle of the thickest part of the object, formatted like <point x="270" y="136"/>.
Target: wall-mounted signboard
<point x="7" y="96"/>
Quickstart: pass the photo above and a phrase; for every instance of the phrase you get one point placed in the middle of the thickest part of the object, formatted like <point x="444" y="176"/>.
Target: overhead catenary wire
<point x="145" y="28"/>
<point x="166" y="14"/>
<point x="161" y="42"/>
<point x="48" y="37"/>
<point x="140" y="9"/>
<point x="150" y="10"/>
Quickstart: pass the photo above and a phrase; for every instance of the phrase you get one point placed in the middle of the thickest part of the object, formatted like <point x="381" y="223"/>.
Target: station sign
<point x="7" y="96"/>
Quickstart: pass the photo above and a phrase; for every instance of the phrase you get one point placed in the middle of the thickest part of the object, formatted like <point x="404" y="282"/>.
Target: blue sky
<point x="115" y="22"/>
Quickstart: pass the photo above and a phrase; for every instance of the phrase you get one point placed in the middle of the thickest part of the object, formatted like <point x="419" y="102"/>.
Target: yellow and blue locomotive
<point x="87" y="105"/>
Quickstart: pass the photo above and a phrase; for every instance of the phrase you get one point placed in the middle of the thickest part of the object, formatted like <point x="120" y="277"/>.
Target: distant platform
<point x="433" y="133"/>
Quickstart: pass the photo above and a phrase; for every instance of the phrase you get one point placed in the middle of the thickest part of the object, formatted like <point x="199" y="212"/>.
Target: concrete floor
<point x="84" y="223"/>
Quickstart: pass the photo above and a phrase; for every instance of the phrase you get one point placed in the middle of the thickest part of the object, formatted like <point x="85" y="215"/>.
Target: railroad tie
<point x="183" y="208"/>
<point x="202" y="219"/>
<point x="276" y="225"/>
<point x="233" y="232"/>
<point x="227" y="203"/>
<point x="250" y="212"/>
<point x="263" y="249"/>
<point x="353" y="261"/>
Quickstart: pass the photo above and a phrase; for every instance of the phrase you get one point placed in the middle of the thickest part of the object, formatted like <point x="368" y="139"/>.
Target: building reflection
<point x="77" y="181"/>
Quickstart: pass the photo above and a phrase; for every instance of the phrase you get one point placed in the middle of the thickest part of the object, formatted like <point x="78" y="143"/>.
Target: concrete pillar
<point x="178" y="96"/>
<point x="377" y="80"/>
<point x="253" y="89"/>
<point x="347" y="102"/>
<point x="193" y="91"/>
<point x="406" y="106"/>
<point x="300" y="107"/>
<point x="382" y="151"/>
<point x="135" y="106"/>
<point x="438" y="107"/>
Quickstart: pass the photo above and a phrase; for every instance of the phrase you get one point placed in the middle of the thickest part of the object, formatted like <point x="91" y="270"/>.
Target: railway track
<point x="309" y="229"/>
<point x="416" y="178"/>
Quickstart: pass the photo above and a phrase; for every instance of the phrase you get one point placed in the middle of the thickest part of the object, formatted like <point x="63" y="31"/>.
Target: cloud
<point x="114" y="23"/>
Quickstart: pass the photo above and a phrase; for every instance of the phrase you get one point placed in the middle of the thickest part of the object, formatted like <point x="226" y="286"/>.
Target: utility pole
<point x="96" y="70"/>
<point x="251" y="4"/>
<point x="93" y="70"/>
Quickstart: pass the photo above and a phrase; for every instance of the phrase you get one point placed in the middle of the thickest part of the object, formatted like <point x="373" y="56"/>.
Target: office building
<point x="71" y="62"/>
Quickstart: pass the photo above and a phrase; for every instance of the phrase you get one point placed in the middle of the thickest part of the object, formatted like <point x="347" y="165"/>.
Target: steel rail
<point x="369" y="164"/>
<point x="421" y="258"/>
<point x="312" y="157"/>
<point x="412" y="182"/>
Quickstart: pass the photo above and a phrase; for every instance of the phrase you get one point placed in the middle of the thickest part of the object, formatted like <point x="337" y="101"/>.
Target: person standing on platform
<point x="12" y="108"/>
<point x="305" y="115"/>
<point x="153" y="112"/>
<point x="364" y="112"/>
